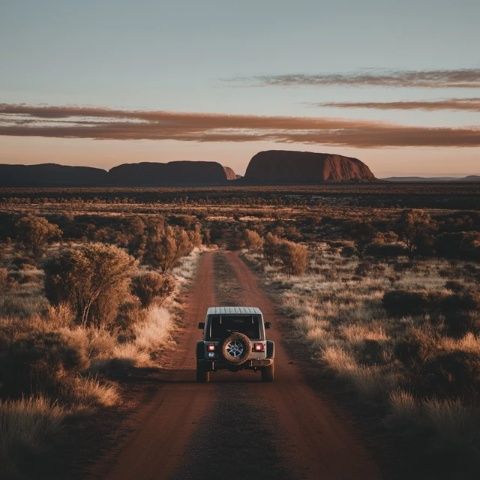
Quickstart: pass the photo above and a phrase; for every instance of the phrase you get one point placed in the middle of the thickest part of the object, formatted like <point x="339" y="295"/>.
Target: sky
<point x="103" y="82"/>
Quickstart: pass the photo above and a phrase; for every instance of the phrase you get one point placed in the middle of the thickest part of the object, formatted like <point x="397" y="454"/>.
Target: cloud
<point x="461" y="78"/>
<point x="114" y="124"/>
<point x="461" y="104"/>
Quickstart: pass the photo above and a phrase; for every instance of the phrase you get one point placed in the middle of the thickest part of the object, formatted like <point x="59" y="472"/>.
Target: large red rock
<point x="297" y="168"/>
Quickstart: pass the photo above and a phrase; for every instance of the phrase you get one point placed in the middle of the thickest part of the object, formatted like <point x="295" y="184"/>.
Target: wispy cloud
<point x="461" y="104"/>
<point x="460" y="78"/>
<point x="103" y="123"/>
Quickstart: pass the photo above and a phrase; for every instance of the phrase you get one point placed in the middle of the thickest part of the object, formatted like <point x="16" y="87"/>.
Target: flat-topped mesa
<point x="297" y="168"/>
<point x="152" y="174"/>
<point x="51" y="175"/>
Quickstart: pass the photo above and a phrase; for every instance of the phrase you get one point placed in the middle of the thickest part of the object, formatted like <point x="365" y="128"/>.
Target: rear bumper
<point x="213" y="365"/>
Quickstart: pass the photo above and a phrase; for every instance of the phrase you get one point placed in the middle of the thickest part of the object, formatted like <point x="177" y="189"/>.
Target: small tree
<point x="34" y="233"/>
<point x="152" y="286"/>
<point x="416" y="230"/>
<point x="253" y="241"/>
<point x="93" y="279"/>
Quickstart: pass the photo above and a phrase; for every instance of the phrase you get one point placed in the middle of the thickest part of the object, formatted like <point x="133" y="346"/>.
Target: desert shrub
<point x="4" y="280"/>
<point x="454" y="286"/>
<point x="466" y="300"/>
<point x="371" y="352"/>
<point x="349" y="251"/>
<point x="385" y="250"/>
<point x="464" y="245"/>
<point x="36" y="362"/>
<point x="23" y="262"/>
<point x="35" y="232"/>
<point x="458" y="323"/>
<point x="416" y="228"/>
<point x="293" y="234"/>
<point x="22" y="307"/>
<point x="271" y="247"/>
<point x="164" y="248"/>
<point x="452" y="374"/>
<point x="129" y="314"/>
<point x="152" y="286"/>
<point x="93" y="279"/>
<point x="253" y="241"/>
<point x="402" y="302"/>
<point x="414" y="348"/>
<point x="294" y="257"/>
<point x="195" y="236"/>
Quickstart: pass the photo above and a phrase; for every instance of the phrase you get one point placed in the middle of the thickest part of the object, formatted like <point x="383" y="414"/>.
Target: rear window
<point x="220" y="326"/>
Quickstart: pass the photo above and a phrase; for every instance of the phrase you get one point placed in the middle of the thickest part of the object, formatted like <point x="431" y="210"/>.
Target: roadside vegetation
<point x="76" y="316"/>
<point x="394" y="318"/>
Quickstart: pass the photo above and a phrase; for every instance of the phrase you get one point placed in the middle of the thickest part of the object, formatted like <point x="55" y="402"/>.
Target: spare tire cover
<point x="236" y="348"/>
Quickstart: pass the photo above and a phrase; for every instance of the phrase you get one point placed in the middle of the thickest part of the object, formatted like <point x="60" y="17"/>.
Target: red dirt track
<point x="235" y="427"/>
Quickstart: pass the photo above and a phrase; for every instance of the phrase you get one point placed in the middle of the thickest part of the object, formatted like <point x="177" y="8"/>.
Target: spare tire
<point x="236" y="348"/>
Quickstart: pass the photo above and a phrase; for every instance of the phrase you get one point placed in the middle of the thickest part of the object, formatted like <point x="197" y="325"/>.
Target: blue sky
<point x="206" y="57"/>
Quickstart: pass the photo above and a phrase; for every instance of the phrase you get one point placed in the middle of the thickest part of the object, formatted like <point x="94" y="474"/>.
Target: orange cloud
<point x="114" y="124"/>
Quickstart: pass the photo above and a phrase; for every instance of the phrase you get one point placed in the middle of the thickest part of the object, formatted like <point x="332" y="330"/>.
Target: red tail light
<point x="258" y="347"/>
<point x="211" y="347"/>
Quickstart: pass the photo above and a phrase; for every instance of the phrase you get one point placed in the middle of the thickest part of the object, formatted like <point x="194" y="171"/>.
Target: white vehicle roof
<point x="234" y="311"/>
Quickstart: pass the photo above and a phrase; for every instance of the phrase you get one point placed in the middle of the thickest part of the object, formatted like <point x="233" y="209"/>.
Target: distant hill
<point x="132" y="174"/>
<point x="469" y="178"/>
<point x="51" y="175"/>
<point x="171" y="173"/>
<point x="292" y="167"/>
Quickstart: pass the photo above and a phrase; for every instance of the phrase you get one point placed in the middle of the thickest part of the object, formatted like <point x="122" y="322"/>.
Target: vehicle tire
<point x="268" y="373"/>
<point x="236" y="348"/>
<point x="200" y="349"/>
<point x="270" y="349"/>
<point x="203" y="376"/>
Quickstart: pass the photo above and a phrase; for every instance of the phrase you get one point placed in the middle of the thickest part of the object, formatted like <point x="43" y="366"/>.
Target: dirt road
<point x="235" y="427"/>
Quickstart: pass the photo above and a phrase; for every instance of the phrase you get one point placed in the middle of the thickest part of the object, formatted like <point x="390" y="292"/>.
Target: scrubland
<point x="401" y="336"/>
<point x="379" y="284"/>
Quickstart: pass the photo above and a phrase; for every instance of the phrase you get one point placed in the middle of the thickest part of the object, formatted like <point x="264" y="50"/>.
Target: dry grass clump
<point x="26" y="425"/>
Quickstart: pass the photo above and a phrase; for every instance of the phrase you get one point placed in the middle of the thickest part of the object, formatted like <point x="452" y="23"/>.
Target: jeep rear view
<point x="234" y="339"/>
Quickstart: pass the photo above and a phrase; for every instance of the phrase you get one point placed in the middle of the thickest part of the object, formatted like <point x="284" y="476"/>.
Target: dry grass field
<point x="380" y="282"/>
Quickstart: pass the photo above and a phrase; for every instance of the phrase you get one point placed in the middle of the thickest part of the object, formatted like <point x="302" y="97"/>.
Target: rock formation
<point x="293" y="167"/>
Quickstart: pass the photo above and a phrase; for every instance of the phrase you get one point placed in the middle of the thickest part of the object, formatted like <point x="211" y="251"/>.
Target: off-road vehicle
<point x="234" y="339"/>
